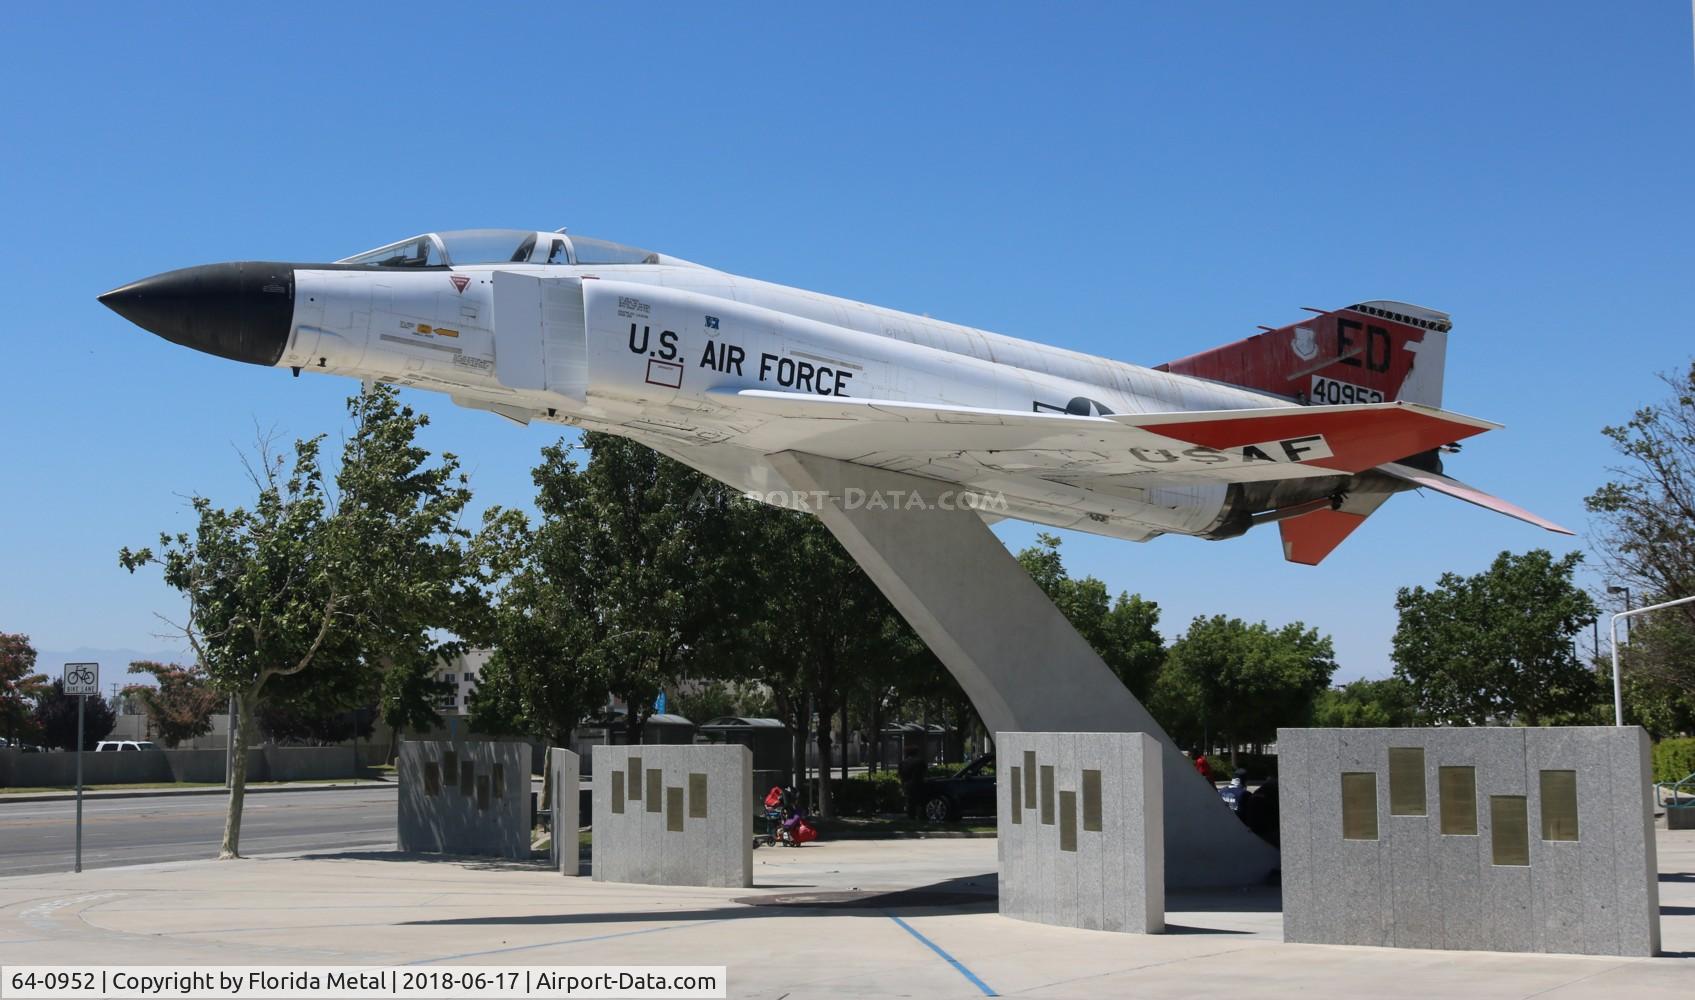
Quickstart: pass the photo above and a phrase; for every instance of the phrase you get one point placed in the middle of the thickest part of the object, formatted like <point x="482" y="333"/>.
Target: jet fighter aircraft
<point x="1312" y="425"/>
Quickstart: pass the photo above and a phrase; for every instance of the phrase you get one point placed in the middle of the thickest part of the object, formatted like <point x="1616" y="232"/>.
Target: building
<point x="461" y="672"/>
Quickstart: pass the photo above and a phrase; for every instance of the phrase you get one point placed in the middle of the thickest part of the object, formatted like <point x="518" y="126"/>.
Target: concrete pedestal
<point x="1017" y="657"/>
<point x="1081" y="830"/>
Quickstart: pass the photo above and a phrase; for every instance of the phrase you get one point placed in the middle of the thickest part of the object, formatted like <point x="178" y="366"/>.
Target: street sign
<point x="82" y="678"/>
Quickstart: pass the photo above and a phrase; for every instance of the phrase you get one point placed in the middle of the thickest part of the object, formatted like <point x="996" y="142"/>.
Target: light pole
<point x="1618" y="689"/>
<point x="1626" y="592"/>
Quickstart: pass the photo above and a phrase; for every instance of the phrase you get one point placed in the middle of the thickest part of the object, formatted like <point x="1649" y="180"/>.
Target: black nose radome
<point x="238" y="311"/>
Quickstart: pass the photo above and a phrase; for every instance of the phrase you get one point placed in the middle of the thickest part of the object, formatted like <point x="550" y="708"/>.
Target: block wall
<point x="465" y="798"/>
<point x="1495" y="839"/>
<point x="673" y="815"/>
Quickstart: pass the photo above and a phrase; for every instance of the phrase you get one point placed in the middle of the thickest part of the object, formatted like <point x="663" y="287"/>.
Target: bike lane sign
<point x="82" y="678"/>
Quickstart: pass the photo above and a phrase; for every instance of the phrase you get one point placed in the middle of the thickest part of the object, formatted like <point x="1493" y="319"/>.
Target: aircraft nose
<point x="241" y="311"/>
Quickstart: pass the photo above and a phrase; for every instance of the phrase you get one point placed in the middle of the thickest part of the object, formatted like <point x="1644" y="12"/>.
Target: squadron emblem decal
<point x="459" y="282"/>
<point x="1305" y="343"/>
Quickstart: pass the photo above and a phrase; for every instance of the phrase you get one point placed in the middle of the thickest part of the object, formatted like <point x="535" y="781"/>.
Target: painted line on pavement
<point x="956" y="963"/>
<point x="581" y="940"/>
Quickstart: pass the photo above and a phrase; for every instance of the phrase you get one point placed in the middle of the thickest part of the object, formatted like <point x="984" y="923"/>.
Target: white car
<point x="105" y="745"/>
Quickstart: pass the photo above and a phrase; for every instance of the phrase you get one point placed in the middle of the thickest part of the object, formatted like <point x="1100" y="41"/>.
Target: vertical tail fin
<point x="1372" y="352"/>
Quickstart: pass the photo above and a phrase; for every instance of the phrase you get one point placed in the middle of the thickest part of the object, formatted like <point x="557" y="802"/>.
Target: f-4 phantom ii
<point x="1312" y="425"/>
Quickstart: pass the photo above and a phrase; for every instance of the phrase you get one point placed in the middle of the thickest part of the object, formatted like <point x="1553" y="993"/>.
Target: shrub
<point x="1674" y="760"/>
<point x="868" y="794"/>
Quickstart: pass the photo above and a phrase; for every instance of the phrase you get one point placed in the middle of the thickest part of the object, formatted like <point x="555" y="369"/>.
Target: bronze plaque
<point x="1091" y="800"/>
<point x="500" y="781"/>
<point x="1047" y="795"/>
<point x="1068" y="821"/>
<point x="618" y="791"/>
<point x="697" y="795"/>
<point x="1406" y="781"/>
<point x="635" y="773"/>
<point x="449" y="763"/>
<point x="432" y="778"/>
<point x="673" y="808"/>
<point x="1017" y="780"/>
<point x="653" y="784"/>
<point x="1359" y="805"/>
<point x="1458" y="788"/>
<point x="1559" y="805"/>
<point x="482" y="791"/>
<point x="467" y="777"/>
<point x="1509" y="830"/>
<point x="1029" y="779"/>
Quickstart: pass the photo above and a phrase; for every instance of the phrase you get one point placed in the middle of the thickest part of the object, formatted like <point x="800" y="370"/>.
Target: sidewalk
<point x="832" y="919"/>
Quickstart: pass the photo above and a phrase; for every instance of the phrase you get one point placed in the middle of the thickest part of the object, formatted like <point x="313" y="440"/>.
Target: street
<point x="38" y="837"/>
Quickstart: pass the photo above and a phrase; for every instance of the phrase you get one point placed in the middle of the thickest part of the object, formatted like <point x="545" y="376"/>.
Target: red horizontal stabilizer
<point x="1344" y="438"/>
<point x="1309" y="538"/>
<point x="1470" y="494"/>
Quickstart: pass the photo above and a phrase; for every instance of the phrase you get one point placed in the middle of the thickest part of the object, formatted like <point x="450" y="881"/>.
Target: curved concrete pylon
<point x="1020" y="662"/>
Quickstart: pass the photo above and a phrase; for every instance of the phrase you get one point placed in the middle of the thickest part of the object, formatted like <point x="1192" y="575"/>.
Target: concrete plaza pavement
<point x="833" y="919"/>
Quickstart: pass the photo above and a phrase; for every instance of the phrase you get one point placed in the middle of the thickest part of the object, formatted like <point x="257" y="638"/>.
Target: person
<point x="1202" y="766"/>
<point x="912" y="771"/>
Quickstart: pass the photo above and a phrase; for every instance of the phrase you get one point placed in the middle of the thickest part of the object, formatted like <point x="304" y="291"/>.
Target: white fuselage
<point x="655" y="351"/>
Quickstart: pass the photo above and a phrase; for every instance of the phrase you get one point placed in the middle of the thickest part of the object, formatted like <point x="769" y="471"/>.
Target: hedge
<point x="868" y="794"/>
<point x="1674" y="760"/>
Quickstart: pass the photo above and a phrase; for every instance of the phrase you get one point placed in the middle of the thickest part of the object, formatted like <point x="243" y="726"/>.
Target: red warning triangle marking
<point x="459" y="282"/>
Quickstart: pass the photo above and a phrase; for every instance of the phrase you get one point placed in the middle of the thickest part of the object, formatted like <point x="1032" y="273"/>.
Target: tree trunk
<point x="246" y="708"/>
<point x="825" y="801"/>
<point x="845" y="738"/>
<point x="803" y="729"/>
<point x="876" y="732"/>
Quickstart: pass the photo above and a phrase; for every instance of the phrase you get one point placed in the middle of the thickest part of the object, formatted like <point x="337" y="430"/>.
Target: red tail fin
<point x="1373" y="352"/>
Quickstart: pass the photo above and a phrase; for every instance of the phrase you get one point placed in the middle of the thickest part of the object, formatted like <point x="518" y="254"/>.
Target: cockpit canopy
<point x="502" y="246"/>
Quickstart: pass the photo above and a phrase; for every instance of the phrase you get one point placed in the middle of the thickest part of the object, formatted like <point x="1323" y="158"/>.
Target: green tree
<point x="20" y="685"/>
<point x="56" y="718"/>
<point x="1655" y="697"/>
<point x="616" y="588"/>
<point x="1498" y="645"/>
<point x="1123" y="631"/>
<point x="305" y="581"/>
<point x="1243" y="681"/>
<point x="180" y="702"/>
<point x="1646" y="517"/>
<point x="1365" y="704"/>
<point x="809" y="621"/>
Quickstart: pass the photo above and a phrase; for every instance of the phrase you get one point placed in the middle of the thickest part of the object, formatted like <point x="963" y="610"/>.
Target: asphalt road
<point x="38" y="837"/>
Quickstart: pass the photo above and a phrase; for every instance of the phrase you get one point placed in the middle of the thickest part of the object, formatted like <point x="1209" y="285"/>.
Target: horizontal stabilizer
<point x="1455" y="488"/>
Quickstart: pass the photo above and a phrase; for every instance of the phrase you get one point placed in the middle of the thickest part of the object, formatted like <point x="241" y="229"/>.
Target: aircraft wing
<point x="1216" y="446"/>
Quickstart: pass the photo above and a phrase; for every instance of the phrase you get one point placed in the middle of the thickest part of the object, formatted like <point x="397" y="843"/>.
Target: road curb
<point x="166" y="793"/>
<point x="906" y="835"/>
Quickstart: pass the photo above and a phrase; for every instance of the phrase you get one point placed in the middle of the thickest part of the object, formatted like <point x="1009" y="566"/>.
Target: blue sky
<point x="1137" y="181"/>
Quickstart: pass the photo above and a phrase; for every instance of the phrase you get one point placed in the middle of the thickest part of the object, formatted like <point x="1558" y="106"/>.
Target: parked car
<point x="970" y="791"/>
<point x="19" y="745"/>
<point x="105" y="745"/>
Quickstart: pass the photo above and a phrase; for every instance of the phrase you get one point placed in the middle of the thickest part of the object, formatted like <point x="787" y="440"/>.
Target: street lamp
<point x="1618" y="690"/>
<point x="1626" y="592"/>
